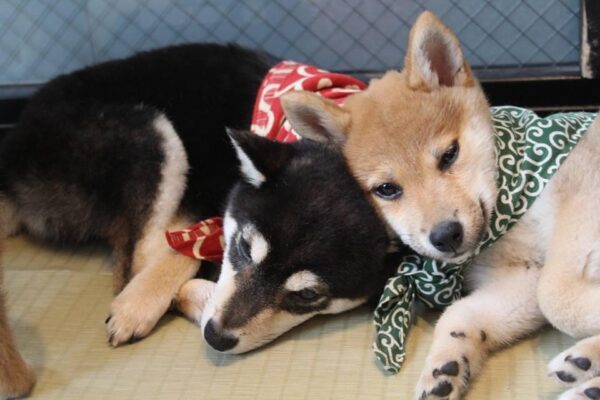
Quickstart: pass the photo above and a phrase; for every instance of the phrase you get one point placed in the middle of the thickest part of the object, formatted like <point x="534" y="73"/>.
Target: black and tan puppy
<point x="128" y="149"/>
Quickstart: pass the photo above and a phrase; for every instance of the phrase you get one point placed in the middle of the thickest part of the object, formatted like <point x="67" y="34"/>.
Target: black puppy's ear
<point x="260" y="158"/>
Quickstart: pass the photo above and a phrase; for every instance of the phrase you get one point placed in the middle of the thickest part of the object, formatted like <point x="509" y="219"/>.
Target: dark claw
<point x="458" y="334"/>
<point x="423" y="395"/>
<point x="592" y="393"/>
<point x="107" y="319"/>
<point x="443" y="389"/>
<point x="565" y="377"/>
<point x="483" y="336"/>
<point x="133" y="339"/>
<point x="110" y="338"/>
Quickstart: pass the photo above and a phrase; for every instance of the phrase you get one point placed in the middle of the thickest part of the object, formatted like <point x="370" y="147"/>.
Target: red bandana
<point x="204" y="240"/>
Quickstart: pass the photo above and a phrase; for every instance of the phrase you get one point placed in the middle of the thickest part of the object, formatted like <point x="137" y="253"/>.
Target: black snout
<point x="447" y="236"/>
<point x="217" y="340"/>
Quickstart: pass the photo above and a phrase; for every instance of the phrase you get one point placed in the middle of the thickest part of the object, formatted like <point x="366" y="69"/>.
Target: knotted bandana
<point x="529" y="150"/>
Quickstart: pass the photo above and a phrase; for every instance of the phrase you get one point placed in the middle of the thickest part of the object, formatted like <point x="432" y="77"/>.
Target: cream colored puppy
<point x="421" y="143"/>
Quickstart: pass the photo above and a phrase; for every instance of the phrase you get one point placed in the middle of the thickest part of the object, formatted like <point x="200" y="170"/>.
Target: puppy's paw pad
<point x="445" y="382"/>
<point x="589" y="390"/>
<point x="451" y="368"/>
<point x="582" y="363"/>
<point x="592" y="393"/>
<point x="443" y="389"/>
<point x="576" y="365"/>
<point x="565" y="377"/>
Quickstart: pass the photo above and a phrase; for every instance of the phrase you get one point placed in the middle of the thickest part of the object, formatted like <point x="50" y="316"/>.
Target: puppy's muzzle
<point x="217" y="339"/>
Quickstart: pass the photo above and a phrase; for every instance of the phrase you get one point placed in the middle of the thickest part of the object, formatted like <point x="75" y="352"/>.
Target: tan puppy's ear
<point x="315" y="117"/>
<point x="434" y="57"/>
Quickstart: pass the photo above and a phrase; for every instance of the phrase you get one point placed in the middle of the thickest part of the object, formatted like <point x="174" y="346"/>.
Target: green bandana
<point x="529" y="150"/>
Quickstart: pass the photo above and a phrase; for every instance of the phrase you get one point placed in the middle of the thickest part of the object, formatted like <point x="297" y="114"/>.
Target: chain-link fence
<point x="42" y="38"/>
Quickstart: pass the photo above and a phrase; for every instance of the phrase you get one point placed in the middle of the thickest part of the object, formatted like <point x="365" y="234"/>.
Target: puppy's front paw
<point x="450" y="366"/>
<point x="577" y="364"/>
<point x="132" y="317"/>
<point x="589" y="390"/>
<point x="192" y="298"/>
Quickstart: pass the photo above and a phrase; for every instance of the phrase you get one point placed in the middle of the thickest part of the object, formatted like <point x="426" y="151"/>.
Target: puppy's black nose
<point x="447" y="236"/>
<point x="217" y="340"/>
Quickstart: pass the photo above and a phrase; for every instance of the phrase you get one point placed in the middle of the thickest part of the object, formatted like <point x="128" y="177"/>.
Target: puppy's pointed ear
<point x="260" y="158"/>
<point x="434" y="57"/>
<point x="315" y="117"/>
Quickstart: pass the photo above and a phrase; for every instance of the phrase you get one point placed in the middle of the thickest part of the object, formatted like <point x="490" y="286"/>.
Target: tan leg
<point x="569" y="288"/>
<point x="158" y="274"/>
<point x="16" y="378"/>
<point x="122" y="250"/>
<point x="192" y="298"/>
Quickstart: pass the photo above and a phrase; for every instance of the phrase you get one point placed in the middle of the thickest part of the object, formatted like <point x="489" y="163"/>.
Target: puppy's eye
<point x="449" y="156"/>
<point x="244" y="249"/>
<point x="388" y="191"/>
<point x="307" y="294"/>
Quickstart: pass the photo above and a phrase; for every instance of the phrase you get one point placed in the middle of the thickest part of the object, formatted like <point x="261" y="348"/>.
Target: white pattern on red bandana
<point x="268" y="119"/>
<point x="203" y="240"/>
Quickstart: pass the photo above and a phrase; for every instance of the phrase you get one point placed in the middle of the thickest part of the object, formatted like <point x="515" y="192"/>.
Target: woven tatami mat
<point x="58" y="300"/>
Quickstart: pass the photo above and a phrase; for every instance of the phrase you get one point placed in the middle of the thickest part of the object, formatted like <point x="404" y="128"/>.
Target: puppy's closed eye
<point x="243" y="248"/>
